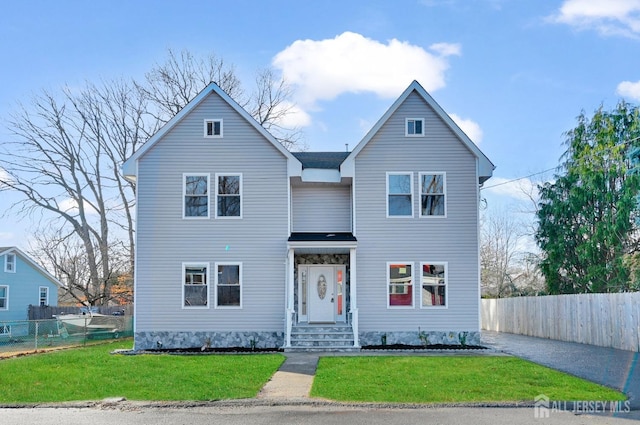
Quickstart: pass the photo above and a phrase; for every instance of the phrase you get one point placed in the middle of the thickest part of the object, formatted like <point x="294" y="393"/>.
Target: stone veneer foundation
<point x="158" y="340"/>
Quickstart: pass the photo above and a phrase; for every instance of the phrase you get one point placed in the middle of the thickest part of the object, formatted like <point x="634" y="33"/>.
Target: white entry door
<point x="321" y="294"/>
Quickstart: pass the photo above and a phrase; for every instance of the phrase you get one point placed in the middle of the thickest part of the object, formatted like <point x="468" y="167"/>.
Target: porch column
<point x="354" y="297"/>
<point x="290" y="310"/>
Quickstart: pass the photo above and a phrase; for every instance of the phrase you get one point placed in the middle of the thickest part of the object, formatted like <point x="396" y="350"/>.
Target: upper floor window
<point x="414" y="127"/>
<point x="196" y="195"/>
<point x="213" y="128"/>
<point x="434" y="284"/>
<point x="229" y="195"/>
<point x="44" y="296"/>
<point x="229" y="285"/>
<point x="400" y="284"/>
<point x="399" y="195"/>
<point x="10" y="263"/>
<point x="432" y="194"/>
<point x="195" y="285"/>
<point x="4" y="297"/>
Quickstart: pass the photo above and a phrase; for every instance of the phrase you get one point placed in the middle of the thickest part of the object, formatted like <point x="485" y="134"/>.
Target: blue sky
<point x="513" y="73"/>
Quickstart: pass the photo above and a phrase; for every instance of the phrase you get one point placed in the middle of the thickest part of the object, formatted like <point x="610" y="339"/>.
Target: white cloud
<point x="610" y="17"/>
<point x="629" y="89"/>
<point x="4" y="176"/>
<point x="470" y="128"/>
<point x="521" y="190"/>
<point x="295" y="116"/>
<point x="352" y="63"/>
<point x="70" y="206"/>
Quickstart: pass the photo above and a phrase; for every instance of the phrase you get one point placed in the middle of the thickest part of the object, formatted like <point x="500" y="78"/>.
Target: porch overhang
<point x="317" y="242"/>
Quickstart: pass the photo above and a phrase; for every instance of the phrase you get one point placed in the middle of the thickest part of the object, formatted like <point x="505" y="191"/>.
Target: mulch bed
<point x="423" y="347"/>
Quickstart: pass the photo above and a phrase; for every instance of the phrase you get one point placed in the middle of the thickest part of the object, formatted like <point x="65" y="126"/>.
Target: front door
<point x="321" y="292"/>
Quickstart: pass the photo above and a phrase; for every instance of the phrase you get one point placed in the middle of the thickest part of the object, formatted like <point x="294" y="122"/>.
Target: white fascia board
<point x="320" y="175"/>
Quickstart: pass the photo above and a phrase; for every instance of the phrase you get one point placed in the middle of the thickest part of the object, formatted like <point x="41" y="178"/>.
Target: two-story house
<point x="23" y="282"/>
<point x="241" y="242"/>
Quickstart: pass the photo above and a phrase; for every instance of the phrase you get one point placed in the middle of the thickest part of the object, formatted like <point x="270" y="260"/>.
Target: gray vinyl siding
<point x="321" y="208"/>
<point x="165" y="240"/>
<point x="453" y="239"/>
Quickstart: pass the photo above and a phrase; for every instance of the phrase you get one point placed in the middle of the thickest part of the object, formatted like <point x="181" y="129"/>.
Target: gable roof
<point x="485" y="166"/>
<point x="130" y="166"/>
<point x="25" y="257"/>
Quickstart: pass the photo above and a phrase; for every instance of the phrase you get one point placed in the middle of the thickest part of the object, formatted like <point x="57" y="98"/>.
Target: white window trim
<point x="6" y="262"/>
<point x="6" y="307"/>
<point x="406" y="127"/>
<point x="207" y="280"/>
<point x="226" y="217"/>
<point x="46" y="301"/>
<point x="213" y="136"/>
<point x="184" y="195"/>
<point x="413" y="284"/>
<point x="399" y="173"/>
<point x="228" y="263"/>
<point x="444" y="189"/>
<point x="446" y="285"/>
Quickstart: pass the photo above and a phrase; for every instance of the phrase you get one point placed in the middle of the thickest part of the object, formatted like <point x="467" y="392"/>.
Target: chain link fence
<point x="28" y="336"/>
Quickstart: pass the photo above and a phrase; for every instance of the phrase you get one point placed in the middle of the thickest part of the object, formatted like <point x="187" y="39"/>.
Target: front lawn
<point x="448" y="380"/>
<point x="92" y="373"/>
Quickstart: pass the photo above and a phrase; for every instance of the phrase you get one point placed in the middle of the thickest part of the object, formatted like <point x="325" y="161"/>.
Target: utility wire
<point x="519" y="178"/>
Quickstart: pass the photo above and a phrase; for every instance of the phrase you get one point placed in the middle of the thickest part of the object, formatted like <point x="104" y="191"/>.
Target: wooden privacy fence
<point x="607" y="320"/>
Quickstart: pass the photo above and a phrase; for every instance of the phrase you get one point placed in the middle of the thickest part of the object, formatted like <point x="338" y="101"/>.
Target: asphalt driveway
<point x="614" y="368"/>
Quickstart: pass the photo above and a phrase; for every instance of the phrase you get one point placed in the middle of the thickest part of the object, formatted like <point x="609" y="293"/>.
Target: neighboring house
<point x="23" y="282"/>
<point x="240" y="242"/>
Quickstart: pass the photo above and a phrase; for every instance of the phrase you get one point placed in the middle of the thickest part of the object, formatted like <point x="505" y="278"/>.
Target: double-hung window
<point x="195" y="292"/>
<point x="196" y="195"/>
<point x="229" y="285"/>
<point x="213" y="128"/>
<point x="229" y="195"/>
<point x="414" y="127"/>
<point x="432" y="195"/>
<point x="43" y="296"/>
<point x="434" y="284"/>
<point x="400" y="284"/>
<point x="10" y="263"/>
<point x="399" y="194"/>
<point x="4" y="297"/>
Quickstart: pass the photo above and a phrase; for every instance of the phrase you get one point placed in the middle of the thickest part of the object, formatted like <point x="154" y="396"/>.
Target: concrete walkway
<point x="607" y="366"/>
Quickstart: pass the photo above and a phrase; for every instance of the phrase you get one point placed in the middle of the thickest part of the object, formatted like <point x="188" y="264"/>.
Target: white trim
<point x="207" y="280"/>
<point x="399" y="173"/>
<point x="406" y="127"/>
<point x="213" y="126"/>
<point x="218" y="175"/>
<point x="6" y="304"/>
<point x="215" y="295"/>
<point x="130" y="166"/>
<point x="7" y="262"/>
<point x="444" y="192"/>
<point x="486" y="167"/>
<point x="446" y="285"/>
<point x="184" y="195"/>
<point x="37" y="266"/>
<point x="46" y="301"/>
<point x="413" y="285"/>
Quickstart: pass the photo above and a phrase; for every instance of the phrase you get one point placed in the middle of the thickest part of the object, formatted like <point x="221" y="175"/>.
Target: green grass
<point x="448" y="380"/>
<point x="92" y="373"/>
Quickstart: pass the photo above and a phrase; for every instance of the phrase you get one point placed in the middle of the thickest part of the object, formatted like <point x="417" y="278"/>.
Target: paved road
<point x="299" y="415"/>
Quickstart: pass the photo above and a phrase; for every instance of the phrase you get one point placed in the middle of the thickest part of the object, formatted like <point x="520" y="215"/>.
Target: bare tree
<point x="64" y="160"/>
<point x="67" y="150"/>
<point x="498" y="254"/>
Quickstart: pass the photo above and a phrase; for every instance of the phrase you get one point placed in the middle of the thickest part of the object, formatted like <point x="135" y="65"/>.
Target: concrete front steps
<point x="329" y="337"/>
